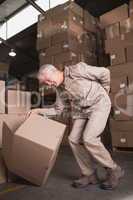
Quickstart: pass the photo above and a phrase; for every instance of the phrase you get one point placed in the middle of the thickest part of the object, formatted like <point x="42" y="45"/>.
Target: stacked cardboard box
<point x="67" y="35"/>
<point x="118" y="26"/>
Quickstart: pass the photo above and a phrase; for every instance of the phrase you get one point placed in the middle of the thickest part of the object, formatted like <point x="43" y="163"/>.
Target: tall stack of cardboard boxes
<point x="118" y="26"/>
<point x="67" y="35"/>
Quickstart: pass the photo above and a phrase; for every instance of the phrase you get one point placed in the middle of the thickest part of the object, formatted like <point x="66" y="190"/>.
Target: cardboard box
<point x="43" y="42"/>
<point x="127" y="39"/>
<point x="126" y="25"/>
<point x="118" y="83"/>
<point x="3" y="171"/>
<point x="129" y="53"/>
<point x="66" y="21"/>
<point x="120" y="116"/>
<point x="90" y="22"/>
<point x="70" y="5"/>
<point x="123" y="70"/>
<point x="122" y="139"/>
<point x="113" y="44"/>
<point x="66" y="57"/>
<point x="121" y="132"/>
<point x="112" y="31"/>
<point x="12" y="120"/>
<point x="18" y="101"/>
<point x="118" y="56"/>
<point x="63" y="37"/>
<point x="114" y="16"/>
<point x="39" y="139"/>
<point x="89" y="58"/>
<point x="2" y="96"/>
<point x="131" y="7"/>
<point x="45" y="59"/>
<point x="120" y="100"/>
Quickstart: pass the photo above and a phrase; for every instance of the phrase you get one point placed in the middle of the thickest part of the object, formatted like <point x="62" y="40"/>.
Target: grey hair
<point x="48" y="68"/>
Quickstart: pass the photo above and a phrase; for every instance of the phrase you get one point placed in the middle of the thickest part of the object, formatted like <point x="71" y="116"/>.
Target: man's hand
<point x="33" y="111"/>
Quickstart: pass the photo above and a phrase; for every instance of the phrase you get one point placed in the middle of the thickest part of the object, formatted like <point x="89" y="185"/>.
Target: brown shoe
<point x="84" y="181"/>
<point x="113" y="178"/>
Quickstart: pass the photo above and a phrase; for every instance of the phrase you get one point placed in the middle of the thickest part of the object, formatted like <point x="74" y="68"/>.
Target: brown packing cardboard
<point x="2" y="96"/>
<point x="39" y="139"/>
<point x="63" y="37"/>
<point x="118" y="115"/>
<point x="126" y="25"/>
<point x="43" y="42"/>
<point x="3" y="170"/>
<point x="118" y="57"/>
<point x="129" y="53"/>
<point x="65" y="57"/>
<point x="67" y="20"/>
<point x="114" y="16"/>
<point x="112" y="31"/>
<point x="118" y="83"/>
<point x="122" y="70"/>
<point x="113" y="44"/>
<point x="125" y="126"/>
<point x="18" y="101"/>
<point x="120" y="100"/>
<point x="45" y="59"/>
<point x="127" y="39"/>
<point x="131" y="7"/>
<point x="123" y="41"/>
<point x="121" y="132"/>
<point x="90" y="22"/>
<point x="12" y="120"/>
<point x="76" y="43"/>
<point x="70" y="5"/>
<point x="89" y="58"/>
<point x="122" y="139"/>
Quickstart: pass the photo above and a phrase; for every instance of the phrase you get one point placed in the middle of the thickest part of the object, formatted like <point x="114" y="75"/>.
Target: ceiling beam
<point x="31" y="2"/>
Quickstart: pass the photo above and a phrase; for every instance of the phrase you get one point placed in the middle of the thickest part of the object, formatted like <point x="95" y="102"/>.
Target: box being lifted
<point x="31" y="151"/>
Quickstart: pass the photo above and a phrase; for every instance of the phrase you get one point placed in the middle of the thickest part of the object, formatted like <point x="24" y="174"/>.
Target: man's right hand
<point x="33" y="111"/>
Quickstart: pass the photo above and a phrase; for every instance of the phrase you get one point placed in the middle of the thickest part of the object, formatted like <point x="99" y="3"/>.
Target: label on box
<point x="43" y="54"/>
<point x="39" y="35"/>
<point x="113" y="57"/>
<point x="64" y="25"/>
<point x="66" y="46"/>
<point x="117" y="112"/>
<point x="122" y="85"/>
<point x="123" y="140"/>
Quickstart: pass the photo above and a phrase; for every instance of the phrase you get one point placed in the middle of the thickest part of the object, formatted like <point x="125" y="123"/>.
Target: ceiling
<point x="25" y="42"/>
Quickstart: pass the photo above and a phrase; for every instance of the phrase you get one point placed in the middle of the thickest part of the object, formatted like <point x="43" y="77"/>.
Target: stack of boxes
<point x="67" y="35"/>
<point x="118" y="26"/>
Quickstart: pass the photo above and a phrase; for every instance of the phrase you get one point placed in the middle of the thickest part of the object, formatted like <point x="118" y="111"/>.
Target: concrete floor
<point x="59" y="183"/>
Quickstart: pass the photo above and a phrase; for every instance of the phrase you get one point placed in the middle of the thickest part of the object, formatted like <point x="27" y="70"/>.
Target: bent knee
<point x="73" y="141"/>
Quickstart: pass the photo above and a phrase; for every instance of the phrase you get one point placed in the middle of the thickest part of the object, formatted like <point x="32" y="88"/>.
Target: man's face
<point x="43" y="79"/>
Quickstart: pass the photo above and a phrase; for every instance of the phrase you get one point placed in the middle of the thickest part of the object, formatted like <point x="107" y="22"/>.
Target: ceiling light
<point x="0" y="41"/>
<point x="12" y="53"/>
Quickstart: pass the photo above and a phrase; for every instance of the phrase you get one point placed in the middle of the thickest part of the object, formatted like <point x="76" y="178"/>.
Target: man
<point x="88" y="88"/>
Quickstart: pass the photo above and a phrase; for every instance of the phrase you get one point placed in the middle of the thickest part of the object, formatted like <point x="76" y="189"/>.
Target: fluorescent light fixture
<point x="12" y="53"/>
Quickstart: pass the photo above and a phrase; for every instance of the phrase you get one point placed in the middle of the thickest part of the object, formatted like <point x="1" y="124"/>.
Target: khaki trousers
<point x="91" y="148"/>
